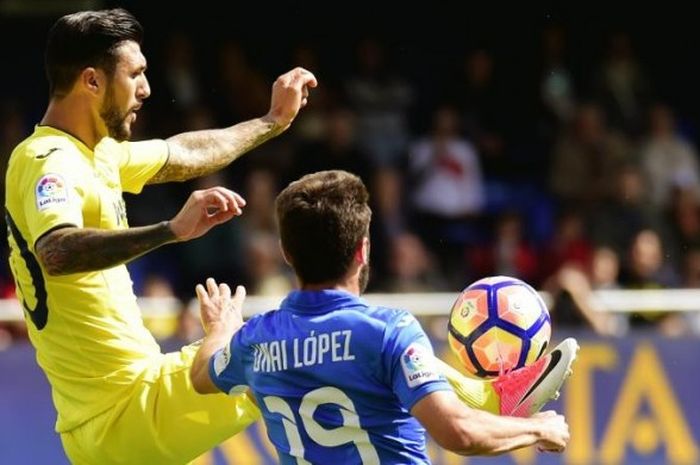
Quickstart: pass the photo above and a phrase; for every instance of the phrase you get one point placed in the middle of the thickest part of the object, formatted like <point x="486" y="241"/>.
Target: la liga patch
<point x="222" y="359"/>
<point x="51" y="190"/>
<point x="418" y="366"/>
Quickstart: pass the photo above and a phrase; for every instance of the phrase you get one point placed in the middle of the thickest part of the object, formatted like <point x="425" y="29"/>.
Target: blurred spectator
<point x="188" y="329"/>
<point x="267" y="273"/>
<point x="683" y="219"/>
<point x="160" y="306"/>
<point x="668" y="160"/>
<point x="260" y="192"/>
<point x="156" y="286"/>
<point x="647" y="269"/>
<point x="605" y="269"/>
<point x="483" y="104"/>
<point x="447" y="190"/>
<point x="615" y="223"/>
<point x="586" y="160"/>
<point x="380" y="97"/>
<point x="691" y="270"/>
<point x="337" y="149"/>
<point x="556" y="80"/>
<point x="309" y="125"/>
<point x="691" y="280"/>
<point x="180" y="72"/>
<point x="388" y="218"/>
<point x="445" y="170"/>
<point x="411" y="268"/>
<point x="244" y="91"/>
<point x="623" y="87"/>
<point x="574" y="302"/>
<point x="509" y="253"/>
<point x="570" y="245"/>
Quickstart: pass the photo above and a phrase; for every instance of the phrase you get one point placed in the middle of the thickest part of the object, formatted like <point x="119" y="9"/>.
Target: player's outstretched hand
<point x="219" y="311"/>
<point x="555" y="431"/>
<point x="205" y="209"/>
<point x="289" y="94"/>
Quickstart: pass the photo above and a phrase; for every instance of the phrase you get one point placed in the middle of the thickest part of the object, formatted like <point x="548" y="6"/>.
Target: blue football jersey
<point x="334" y="378"/>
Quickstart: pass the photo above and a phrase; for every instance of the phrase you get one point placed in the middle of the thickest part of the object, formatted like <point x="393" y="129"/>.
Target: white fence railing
<point x="428" y="304"/>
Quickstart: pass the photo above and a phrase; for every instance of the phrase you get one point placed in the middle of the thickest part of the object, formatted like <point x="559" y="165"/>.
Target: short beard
<point x="113" y="119"/>
<point x="364" y="278"/>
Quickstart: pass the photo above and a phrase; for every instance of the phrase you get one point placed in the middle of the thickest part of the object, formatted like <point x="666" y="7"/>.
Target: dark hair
<point x="322" y="217"/>
<point x="86" y="38"/>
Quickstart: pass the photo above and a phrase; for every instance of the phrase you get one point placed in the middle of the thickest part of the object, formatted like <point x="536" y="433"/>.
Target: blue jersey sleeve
<point x="226" y="368"/>
<point x="410" y="362"/>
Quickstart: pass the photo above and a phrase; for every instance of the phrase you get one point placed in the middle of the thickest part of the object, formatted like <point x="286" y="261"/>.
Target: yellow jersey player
<point x="119" y="399"/>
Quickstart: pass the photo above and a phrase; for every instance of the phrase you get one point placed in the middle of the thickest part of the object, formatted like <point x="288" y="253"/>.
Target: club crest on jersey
<point x="418" y="366"/>
<point x="51" y="190"/>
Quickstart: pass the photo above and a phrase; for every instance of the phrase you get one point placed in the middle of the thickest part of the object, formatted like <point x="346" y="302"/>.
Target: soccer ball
<point x="498" y="324"/>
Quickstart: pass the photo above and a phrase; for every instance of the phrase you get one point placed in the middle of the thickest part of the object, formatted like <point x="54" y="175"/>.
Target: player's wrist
<point x="170" y="231"/>
<point x="221" y="329"/>
<point x="276" y="123"/>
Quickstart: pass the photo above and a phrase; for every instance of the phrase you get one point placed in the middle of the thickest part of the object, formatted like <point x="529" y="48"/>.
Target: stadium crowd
<point x="572" y="178"/>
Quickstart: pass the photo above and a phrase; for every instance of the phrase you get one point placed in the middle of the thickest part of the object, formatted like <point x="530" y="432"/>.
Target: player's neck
<point x="76" y="117"/>
<point x="348" y="285"/>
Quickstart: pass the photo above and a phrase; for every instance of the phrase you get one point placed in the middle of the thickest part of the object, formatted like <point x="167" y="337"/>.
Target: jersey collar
<point x="320" y="301"/>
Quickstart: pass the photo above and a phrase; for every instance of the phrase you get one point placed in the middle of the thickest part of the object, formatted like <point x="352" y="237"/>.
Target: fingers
<point x="216" y="202"/>
<point x="202" y="295"/>
<point x="307" y="77"/>
<point x="219" y="199"/>
<point x="239" y="297"/>
<point x="224" y="291"/>
<point x="212" y="288"/>
<point x="300" y="78"/>
<point x="239" y="199"/>
<point x="304" y="96"/>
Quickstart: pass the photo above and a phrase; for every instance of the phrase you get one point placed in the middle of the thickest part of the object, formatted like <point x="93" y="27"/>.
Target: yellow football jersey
<point x="86" y="327"/>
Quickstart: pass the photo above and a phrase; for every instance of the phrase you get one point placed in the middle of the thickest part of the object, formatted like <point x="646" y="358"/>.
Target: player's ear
<point x="92" y="80"/>
<point x="362" y="251"/>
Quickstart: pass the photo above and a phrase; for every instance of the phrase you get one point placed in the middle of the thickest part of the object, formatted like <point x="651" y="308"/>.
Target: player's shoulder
<point x="42" y="146"/>
<point x="110" y="146"/>
<point x="256" y="324"/>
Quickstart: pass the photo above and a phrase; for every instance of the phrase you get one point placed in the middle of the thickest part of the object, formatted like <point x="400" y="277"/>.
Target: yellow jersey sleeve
<point x="140" y="161"/>
<point x="53" y="195"/>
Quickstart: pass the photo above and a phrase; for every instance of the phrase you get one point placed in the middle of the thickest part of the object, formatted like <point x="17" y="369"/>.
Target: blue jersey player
<point x="339" y="381"/>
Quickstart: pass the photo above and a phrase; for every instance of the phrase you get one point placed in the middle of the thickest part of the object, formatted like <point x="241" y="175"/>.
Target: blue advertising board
<point x="630" y="401"/>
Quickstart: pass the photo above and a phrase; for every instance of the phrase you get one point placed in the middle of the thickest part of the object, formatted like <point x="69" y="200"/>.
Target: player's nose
<point x="143" y="91"/>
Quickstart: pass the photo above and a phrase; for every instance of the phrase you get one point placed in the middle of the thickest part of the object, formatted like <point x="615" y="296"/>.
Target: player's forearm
<point x="196" y="153"/>
<point x="74" y="250"/>
<point x="199" y="372"/>
<point x="494" y="435"/>
<point x="469" y="431"/>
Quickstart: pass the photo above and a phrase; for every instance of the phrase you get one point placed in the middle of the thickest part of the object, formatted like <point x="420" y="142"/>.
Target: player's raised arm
<point x="468" y="431"/>
<point x="71" y="249"/>
<point x="193" y="154"/>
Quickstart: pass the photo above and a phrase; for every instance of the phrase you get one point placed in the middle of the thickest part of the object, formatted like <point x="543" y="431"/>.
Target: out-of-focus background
<point x="557" y="146"/>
